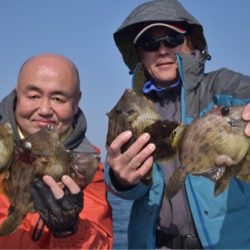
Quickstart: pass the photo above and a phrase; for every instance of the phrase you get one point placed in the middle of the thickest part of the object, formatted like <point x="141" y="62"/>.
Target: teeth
<point x="213" y="173"/>
<point x="216" y="173"/>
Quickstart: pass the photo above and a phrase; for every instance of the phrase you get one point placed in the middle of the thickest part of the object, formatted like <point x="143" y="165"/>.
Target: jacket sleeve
<point x="94" y="229"/>
<point x="134" y="193"/>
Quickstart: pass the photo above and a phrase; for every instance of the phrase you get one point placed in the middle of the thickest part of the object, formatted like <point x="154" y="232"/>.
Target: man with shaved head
<point x="48" y="93"/>
<point x="57" y="103"/>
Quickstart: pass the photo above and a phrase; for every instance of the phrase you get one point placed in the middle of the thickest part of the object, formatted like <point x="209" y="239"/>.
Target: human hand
<point x="246" y="117"/>
<point x="129" y="167"/>
<point x="58" y="209"/>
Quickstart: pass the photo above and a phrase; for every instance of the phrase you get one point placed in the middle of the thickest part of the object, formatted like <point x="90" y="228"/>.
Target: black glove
<point x="60" y="216"/>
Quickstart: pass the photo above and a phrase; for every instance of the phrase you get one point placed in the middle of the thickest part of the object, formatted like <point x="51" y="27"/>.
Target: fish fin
<point x="221" y="185"/>
<point x="84" y="167"/>
<point x="168" y="127"/>
<point x="176" y="137"/>
<point x="12" y="222"/>
<point x="175" y="182"/>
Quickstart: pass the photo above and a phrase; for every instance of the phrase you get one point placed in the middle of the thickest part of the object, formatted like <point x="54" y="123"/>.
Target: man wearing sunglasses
<point x="164" y="47"/>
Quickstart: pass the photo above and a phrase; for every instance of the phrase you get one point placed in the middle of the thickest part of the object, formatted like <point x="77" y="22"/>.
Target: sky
<point x="82" y="30"/>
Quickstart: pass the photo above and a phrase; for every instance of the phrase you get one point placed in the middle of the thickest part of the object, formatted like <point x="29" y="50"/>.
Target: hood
<point x="154" y="11"/>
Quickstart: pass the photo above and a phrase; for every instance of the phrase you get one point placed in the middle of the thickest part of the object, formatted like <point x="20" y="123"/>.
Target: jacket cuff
<point x="134" y="192"/>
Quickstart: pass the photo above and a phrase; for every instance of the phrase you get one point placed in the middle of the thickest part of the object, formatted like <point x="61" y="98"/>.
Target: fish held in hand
<point x="137" y="113"/>
<point x="214" y="146"/>
<point x="39" y="154"/>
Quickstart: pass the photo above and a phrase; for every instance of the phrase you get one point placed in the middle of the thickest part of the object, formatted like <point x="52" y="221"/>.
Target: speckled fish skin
<point x="217" y="135"/>
<point x="41" y="153"/>
<point x="137" y="113"/>
<point x="6" y="145"/>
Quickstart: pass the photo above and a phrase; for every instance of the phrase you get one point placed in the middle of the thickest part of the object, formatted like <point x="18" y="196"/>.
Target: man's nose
<point x="45" y="107"/>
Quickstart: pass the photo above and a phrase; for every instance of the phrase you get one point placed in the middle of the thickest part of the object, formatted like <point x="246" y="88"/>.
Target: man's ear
<point x="76" y="104"/>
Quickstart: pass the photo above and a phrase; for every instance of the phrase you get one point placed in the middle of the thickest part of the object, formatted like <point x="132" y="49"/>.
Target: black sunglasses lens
<point x="173" y="41"/>
<point x="150" y="45"/>
<point x="169" y="42"/>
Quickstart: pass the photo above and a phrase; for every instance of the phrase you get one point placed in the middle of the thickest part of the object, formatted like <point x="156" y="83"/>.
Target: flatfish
<point x="213" y="146"/>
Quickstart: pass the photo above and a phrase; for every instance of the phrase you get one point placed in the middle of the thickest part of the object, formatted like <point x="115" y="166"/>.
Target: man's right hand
<point x="58" y="209"/>
<point x="129" y="167"/>
<point x="246" y="117"/>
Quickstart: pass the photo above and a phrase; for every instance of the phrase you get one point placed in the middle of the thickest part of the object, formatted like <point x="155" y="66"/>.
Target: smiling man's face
<point x="47" y="93"/>
<point x="161" y="64"/>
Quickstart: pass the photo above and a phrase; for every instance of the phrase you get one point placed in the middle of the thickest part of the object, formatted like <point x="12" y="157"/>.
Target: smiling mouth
<point x="44" y="123"/>
<point x="164" y="64"/>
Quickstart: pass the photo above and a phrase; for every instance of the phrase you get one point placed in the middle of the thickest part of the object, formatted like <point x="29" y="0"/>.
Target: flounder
<point x="41" y="153"/>
<point x="213" y="146"/>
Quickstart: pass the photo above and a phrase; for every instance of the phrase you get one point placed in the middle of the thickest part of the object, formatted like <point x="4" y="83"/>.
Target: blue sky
<point x="83" y="31"/>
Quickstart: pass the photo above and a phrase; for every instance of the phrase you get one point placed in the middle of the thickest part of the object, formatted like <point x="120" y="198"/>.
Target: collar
<point x="152" y="90"/>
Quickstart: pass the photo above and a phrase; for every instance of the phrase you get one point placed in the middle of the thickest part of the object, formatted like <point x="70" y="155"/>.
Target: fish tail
<point x="221" y="185"/>
<point x="175" y="183"/>
<point x="12" y="222"/>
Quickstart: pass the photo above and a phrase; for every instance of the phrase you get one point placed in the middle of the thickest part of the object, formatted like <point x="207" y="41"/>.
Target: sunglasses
<point x="153" y="44"/>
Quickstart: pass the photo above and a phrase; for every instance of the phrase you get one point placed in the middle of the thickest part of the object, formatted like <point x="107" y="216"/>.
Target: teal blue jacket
<point x="222" y="221"/>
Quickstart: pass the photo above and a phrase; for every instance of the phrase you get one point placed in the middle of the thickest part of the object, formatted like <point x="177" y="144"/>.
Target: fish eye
<point x="225" y="111"/>
<point x="27" y="145"/>
<point x="131" y="111"/>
